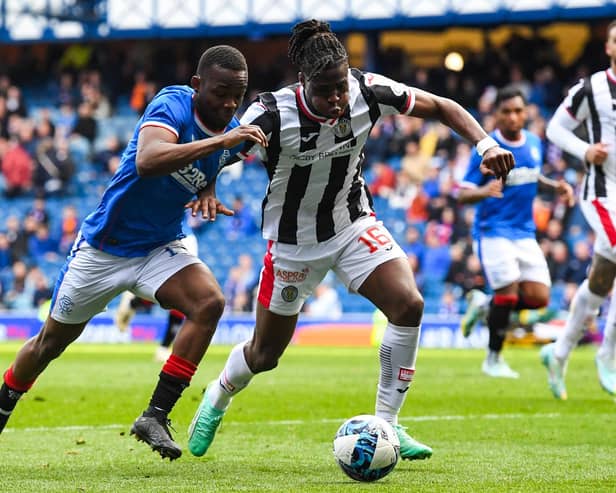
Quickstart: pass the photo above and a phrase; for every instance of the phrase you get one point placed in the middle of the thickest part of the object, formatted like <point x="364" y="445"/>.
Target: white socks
<point x="607" y="350"/>
<point x="584" y="305"/>
<point x="234" y="377"/>
<point x="397" y="354"/>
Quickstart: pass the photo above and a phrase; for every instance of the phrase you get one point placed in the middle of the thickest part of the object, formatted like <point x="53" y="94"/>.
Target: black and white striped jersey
<point x="316" y="188"/>
<point x="592" y="101"/>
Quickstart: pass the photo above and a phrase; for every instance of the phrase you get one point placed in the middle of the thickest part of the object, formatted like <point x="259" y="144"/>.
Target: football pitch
<point x="70" y="433"/>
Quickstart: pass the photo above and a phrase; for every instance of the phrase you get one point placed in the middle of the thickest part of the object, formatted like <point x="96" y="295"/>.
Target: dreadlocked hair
<point x="313" y="47"/>
<point x="223" y="56"/>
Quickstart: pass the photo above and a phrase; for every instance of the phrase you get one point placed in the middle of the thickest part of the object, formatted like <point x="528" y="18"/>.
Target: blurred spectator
<point x="241" y="224"/>
<point x="85" y="124"/>
<point x="17" y="238"/>
<point x="55" y="167"/>
<point x="384" y="180"/>
<point x="240" y="284"/>
<point x="111" y="148"/>
<point x="42" y="246"/>
<point x="18" y="296"/>
<point x="69" y="228"/>
<point x="38" y="211"/>
<point x="324" y="302"/>
<point x="6" y="258"/>
<point x="578" y="265"/>
<point x="16" y="168"/>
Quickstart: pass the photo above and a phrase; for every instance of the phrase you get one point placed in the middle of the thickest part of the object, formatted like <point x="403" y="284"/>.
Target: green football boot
<point x="411" y="449"/>
<point x="204" y="424"/>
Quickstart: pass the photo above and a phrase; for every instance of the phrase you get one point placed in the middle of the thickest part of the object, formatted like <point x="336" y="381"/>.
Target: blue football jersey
<point x="512" y="215"/>
<point x="138" y="214"/>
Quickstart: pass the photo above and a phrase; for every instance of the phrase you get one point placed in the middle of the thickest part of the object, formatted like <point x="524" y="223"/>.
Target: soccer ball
<point x="366" y="448"/>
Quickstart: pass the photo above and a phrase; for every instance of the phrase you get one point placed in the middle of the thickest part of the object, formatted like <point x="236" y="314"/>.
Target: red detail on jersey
<point x="179" y="367"/>
<point x="9" y="380"/>
<point x="606" y="221"/>
<point x="505" y="299"/>
<point x="409" y="102"/>
<point x="406" y="374"/>
<point x="304" y="107"/>
<point x="166" y="127"/>
<point x="266" y="286"/>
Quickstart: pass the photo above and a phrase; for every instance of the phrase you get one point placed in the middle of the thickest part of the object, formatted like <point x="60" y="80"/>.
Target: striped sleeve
<point x="576" y="102"/>
<point x="393" y="98"/>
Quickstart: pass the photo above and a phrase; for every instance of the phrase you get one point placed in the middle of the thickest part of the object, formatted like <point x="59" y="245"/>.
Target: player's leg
<point x="81" y="291"/>
<point x="284" y="286"/>
<point x="584" y="308"/>
<point x="501" y="263"/>
<point x="373" y="265"/>
<point x="175" y="319"/>
<point x="392" y="289"/>
<point x="32" y="359"/>
<point x="606" y="355"/>
<point x="177" y="280"/>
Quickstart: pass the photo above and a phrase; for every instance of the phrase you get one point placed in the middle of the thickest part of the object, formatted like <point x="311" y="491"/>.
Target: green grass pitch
<point x="70" y="434"/>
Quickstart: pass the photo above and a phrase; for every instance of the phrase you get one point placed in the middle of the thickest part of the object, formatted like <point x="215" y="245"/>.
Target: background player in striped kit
<point x="592" y="102"/>
<point x="504" y="230"/>
<point x="132" y="239"/>
<point x="317" y="216"/>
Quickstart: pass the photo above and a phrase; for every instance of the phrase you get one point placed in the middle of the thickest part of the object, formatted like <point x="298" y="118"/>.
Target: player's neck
<point x="511" y="137"/>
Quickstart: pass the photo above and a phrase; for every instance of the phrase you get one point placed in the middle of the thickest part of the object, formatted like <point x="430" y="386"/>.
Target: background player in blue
<point x="504" y="229"/>
<point x="132" y="240"/>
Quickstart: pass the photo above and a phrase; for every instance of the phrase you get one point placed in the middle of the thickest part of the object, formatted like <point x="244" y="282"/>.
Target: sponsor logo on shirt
<point x="191" y="178"/>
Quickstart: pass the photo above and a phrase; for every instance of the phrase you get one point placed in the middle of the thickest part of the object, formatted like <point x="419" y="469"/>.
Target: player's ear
<point x="195" y="81"/>
<point x="301" y="78"/>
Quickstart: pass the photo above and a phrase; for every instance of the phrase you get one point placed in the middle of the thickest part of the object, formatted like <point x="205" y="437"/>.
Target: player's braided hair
<point x="224" y="56"/>
<point x="313" y="47"/>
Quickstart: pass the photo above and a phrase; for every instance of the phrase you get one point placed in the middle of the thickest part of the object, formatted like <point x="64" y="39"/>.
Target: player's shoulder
<point x="180" y="92"/>
<point x="531" y="138"/>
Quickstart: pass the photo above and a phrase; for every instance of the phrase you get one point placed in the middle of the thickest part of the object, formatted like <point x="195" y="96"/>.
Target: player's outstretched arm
<point x="494" y="188"/>
<point x="496" y="161"/>
<point x="159" y="153"/>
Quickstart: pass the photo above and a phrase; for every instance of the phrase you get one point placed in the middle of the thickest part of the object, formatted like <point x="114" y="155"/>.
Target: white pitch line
<point x="305" y="421"/>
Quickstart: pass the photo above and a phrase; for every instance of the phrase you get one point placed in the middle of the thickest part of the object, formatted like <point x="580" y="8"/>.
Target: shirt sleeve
<point x="166" y="111"/>
<point x="572" y="111"/>
<point x="393" y="98"/>
<point x="473" y="177"/>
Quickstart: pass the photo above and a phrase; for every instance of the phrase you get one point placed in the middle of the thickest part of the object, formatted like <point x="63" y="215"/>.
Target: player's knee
<point x="209" y="309"/>
<point x="407" y="311"/>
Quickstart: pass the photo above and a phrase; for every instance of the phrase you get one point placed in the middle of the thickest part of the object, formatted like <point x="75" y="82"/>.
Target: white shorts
<point x="601" y="217"/>
<point x="91" y="278"/>
<point x="291" y="272"/>
<point x="506" y="261"/>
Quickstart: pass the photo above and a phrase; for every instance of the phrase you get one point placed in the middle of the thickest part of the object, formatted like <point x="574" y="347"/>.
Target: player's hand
<point x="207" y="203"/>
<point x="243" y="133"/>
<point x="566" y="192"/>
<point x="497" y="162"/>
<point x="596" y="153"/>
<point x="494" y="189"/>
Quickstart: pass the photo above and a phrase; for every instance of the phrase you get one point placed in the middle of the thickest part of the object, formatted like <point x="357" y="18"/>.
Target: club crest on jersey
<point x="342" y="128"/>
<point x="289" y="293"/>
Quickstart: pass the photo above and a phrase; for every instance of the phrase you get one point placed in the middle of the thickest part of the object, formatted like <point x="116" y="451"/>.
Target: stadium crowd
<point x="65" y="119"/>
